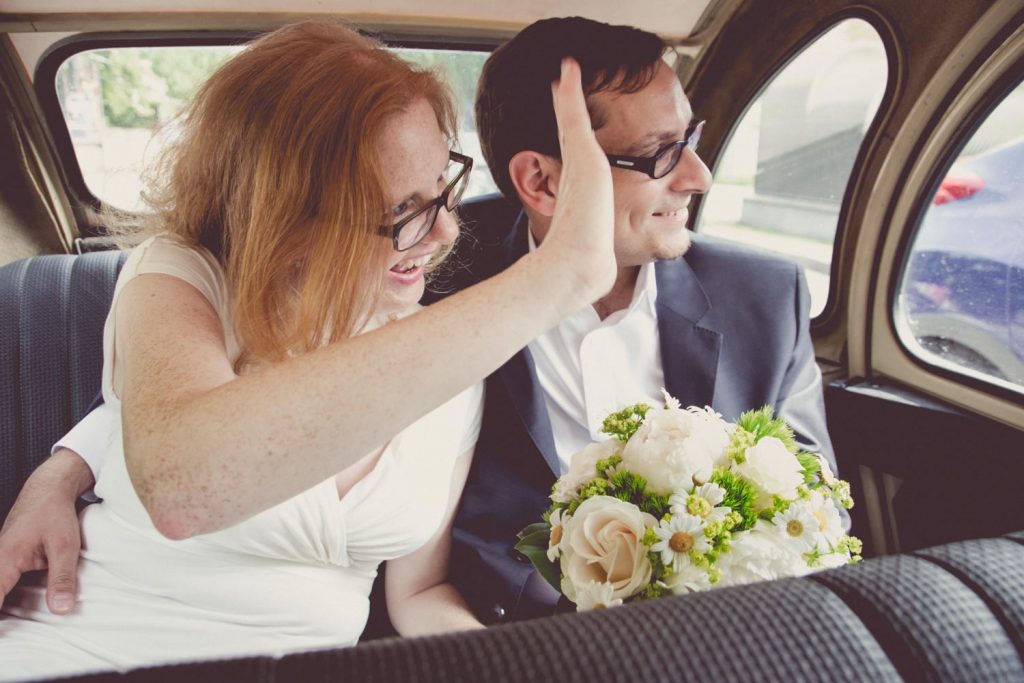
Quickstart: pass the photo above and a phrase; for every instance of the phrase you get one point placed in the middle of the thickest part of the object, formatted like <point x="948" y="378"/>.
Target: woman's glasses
<point x="408" y="231"/>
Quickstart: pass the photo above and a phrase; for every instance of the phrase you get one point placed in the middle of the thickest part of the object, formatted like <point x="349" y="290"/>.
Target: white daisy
<point x="798" y="527"/>
<point x="595" y="595"/>
<point x="688" y="579"/>
<point x="678" y="536"/>
<point x="557" y="522"/>
<point x="830" y="523"/>
<point x="702" y="502"/>
<point x="671" y="402"/>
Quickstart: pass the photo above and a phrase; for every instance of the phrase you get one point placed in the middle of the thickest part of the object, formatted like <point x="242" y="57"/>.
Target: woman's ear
<point x="536" y="179"/>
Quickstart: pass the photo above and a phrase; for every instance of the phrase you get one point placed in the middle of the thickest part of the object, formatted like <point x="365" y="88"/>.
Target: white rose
<point x="771" y="466"/>
<point x="674" y="449"/>
<point x="582" y="469"/>
<point x="602" y="543"/>
<point x="759" y="555"/>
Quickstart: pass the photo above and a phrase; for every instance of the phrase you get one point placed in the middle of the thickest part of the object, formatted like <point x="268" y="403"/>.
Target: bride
<point x="285" y="418"/>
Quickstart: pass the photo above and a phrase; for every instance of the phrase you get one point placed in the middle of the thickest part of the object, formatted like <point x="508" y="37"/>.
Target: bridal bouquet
<point x="679" y="500"/>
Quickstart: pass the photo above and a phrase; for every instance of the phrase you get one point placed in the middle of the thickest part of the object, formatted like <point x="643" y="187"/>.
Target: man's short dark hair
<point x="513" y="101"/>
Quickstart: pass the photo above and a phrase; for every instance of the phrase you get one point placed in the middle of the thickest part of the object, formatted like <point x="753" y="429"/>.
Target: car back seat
<point x="52" y="310"/>
<point x="951" y="613"/>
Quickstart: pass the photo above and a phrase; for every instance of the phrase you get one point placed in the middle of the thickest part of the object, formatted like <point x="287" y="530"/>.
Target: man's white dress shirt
<point x="588" y="367"/>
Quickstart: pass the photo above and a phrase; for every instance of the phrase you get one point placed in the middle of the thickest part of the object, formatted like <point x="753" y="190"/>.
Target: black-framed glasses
<point x="408" y="231"/>
<point x="665" y="159"/>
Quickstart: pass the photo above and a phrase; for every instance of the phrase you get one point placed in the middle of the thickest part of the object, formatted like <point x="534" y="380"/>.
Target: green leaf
<point x="535" y="529"/>
<point x="762" y="423"/>
<point x="534" y="545"/>
<point x="811" y="466"/>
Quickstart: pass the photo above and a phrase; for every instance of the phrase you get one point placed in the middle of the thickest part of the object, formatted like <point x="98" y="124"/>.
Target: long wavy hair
<point x="274" y="168"/>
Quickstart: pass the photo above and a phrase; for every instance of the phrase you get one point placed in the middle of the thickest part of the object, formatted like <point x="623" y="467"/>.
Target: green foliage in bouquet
<point x="533" y="543"/>
<point x="632" y="488"/>
<point x="811" y="465"/>
<point x="740" y="496"/>
<point x="755" y="425"/>
<point x="624" y="423"/>
<point x="626" y="486"/>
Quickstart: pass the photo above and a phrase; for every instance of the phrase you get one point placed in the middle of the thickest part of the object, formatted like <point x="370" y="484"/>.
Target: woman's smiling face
<point x="414" y="157"/>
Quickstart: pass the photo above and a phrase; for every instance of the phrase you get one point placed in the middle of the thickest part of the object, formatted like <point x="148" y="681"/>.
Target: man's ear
<point x="536" y="176"/>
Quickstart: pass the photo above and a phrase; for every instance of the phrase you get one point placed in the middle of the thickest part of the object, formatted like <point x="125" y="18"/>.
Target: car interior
<point x="879" y="144"/>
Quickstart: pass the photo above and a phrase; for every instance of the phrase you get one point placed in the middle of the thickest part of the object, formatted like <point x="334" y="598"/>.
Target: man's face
<point x="650" y="215"/>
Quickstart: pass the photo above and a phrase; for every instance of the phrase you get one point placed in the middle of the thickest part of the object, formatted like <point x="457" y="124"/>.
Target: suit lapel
<point x="519" y="374"/>
<point x="689" y="350"/>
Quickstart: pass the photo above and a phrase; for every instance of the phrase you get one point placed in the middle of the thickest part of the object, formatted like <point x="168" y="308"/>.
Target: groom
<point x="713" y="324"/>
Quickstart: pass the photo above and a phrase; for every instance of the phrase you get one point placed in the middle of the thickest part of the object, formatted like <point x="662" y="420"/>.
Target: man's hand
<point x="42" y="530"/>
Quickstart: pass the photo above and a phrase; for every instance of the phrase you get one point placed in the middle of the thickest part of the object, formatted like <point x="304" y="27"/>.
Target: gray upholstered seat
<point x="952" y="613"/>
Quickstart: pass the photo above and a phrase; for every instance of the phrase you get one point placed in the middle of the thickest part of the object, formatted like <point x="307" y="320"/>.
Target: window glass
<point x="961" y="297"/>
<point x="781" y="179"/>
<point x="461" y="70"/>
<point x="116" y="103"/>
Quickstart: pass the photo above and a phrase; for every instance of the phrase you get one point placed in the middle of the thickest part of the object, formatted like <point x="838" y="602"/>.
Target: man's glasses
<point x="665" y="159"/>
<point x="409" y="230"/>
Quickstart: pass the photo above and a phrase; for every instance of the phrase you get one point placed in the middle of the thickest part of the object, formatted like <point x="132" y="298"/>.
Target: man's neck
<point x="621" y="294"/>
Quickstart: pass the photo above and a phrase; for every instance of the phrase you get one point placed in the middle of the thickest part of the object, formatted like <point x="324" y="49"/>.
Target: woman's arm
<point x="206" y="449"/>
<point x="419" y="599"/>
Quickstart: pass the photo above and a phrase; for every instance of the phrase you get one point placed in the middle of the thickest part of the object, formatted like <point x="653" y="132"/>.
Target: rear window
<point x="961" y="299"/>
<point x="780" y="181"/>
<point x="118" y="104"/>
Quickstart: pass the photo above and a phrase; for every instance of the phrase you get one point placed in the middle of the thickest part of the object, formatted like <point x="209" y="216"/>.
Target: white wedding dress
<point x="294" y="577"/>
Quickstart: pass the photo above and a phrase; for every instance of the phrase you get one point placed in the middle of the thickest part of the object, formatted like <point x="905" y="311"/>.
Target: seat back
<point x="951" y="613"/>
<point x="52" y="310"/>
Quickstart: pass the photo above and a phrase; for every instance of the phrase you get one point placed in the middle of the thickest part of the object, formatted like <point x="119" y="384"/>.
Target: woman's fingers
<point x="570" y="103"/>
<point x="583" y="217"/>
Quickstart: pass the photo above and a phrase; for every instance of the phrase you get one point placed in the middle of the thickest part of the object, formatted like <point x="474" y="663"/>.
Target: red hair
<point x="276" y="170"/>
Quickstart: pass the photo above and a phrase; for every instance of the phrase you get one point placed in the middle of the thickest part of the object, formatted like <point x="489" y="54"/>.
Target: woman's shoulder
<point x="165" y="254"/>
<point x="167" y="249"/>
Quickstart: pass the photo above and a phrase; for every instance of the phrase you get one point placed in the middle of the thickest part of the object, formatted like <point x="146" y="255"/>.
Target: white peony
<point x="583" y="469"/>
<point x="602" y="542"/>
<point x="759" y="555"/>
<point x="673" y="449"/>
<point x="715" y="431"/>
<point x="771" y="466"/>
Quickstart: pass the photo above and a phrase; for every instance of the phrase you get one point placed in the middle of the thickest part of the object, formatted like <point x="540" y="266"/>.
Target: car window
<point x="118" y="104"/>
<point x="780" y="181"/>
<point x="961" y="297"/>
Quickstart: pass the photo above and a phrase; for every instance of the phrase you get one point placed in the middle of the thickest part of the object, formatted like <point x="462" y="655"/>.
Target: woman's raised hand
<point x="582" y="228"/>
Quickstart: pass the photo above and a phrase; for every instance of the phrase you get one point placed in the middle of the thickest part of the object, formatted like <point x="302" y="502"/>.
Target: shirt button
<point x="518" y="556"/>
<point x="499" y="612"/>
